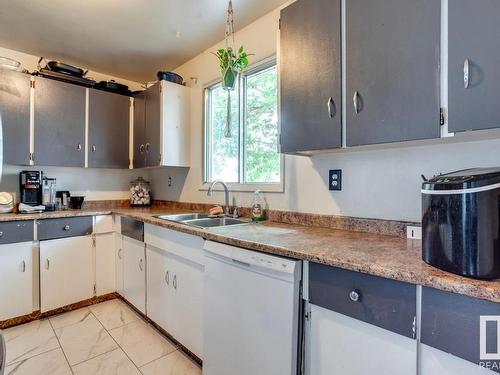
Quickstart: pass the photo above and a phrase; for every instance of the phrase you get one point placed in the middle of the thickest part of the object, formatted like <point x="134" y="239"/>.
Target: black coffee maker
<point x="31" y="187"/>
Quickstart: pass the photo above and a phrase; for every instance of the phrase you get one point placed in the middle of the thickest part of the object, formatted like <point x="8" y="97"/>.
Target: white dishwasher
<point x="251" y="310"/>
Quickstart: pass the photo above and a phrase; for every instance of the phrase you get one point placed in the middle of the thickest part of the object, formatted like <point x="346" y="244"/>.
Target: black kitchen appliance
<point x="461" y="222"/>
<point x="31" y="187"/>
<point x="82" y="81"/>
<point x="170" y="76"/>
<point x="113" y="86"/>
<point x="60" y="67"/>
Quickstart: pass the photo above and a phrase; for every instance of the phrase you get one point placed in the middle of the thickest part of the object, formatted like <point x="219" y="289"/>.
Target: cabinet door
<point x="187" y="284"/>
<point x="108" y="130"/>
<point x="134" y="273"/>
<point x="161" y="303"/>
<point x="153" y="123"/>
<point x="119" y="263"/>
<point x="392" y="69"/>
<point x="15" y="115"/>
<point x="105" y="267"/>
<point x="310" y="82"/>
<point x="473" y="97"/>
<point x="139" y="130"/>
<point x="59" y="123"/>
<point x="16" y="280"/>
<point x="66" y="272"/>
<point x="343" y="345"/>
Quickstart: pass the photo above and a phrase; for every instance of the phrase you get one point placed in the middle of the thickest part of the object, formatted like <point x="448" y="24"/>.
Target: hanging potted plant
<point x="231" y="65"/>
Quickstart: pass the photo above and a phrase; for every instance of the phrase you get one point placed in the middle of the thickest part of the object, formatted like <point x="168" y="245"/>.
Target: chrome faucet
<point x="226" y="193"/>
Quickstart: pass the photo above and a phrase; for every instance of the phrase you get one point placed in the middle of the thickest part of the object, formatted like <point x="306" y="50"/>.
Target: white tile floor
<point x="108" y="338"/>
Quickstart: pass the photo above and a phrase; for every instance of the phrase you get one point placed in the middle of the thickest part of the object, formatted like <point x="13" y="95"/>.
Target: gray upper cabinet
<point x="15" y="112"/>
<point x="153" y="125"/>
<point x="108" y="130"/>
<point x="473" y="65"/>
<point x="59" y="123"/>
<point x="310" y="76"/>
<point x="392" y="70"/>
<point x="139" y="160"/>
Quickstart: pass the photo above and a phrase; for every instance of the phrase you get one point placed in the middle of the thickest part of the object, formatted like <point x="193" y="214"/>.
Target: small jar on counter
<point x="140" y="192"/>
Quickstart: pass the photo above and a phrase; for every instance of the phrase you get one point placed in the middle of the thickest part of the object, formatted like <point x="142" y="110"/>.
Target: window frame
<point x="271" y="187"/>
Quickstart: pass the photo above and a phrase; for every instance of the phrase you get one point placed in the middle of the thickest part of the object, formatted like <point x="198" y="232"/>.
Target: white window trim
<point x="271" y="187"/>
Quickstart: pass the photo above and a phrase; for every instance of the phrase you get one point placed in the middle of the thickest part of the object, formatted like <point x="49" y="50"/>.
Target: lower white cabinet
<point x="16" y="279"/>
<point x="105" y="269"/>
<point x="66" y="271"/>
<point x="343" y="345"/>
<point x="134" y="273"/>
<point x="118" y="263"/>
<point x="175" y="297"/>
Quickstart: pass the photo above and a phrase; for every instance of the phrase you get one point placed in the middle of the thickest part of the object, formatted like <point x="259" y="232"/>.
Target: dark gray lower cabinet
<point x="59" y="123"/>
<point x="139" y="160"/>
<point x="473" y="64"/>
<point x="15" y="115"/>
<point x="108" y="130"/>
<point x="392" y="68"/>
<point x="385" y="303"/>
<point x="452" y="324"/>
<point x="310" y="78"/>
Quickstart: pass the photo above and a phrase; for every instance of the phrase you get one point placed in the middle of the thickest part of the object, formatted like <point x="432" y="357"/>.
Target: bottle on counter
<point x="257" y="208"/>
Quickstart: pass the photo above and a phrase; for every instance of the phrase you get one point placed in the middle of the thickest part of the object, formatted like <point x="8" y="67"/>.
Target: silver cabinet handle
<point x="120" y="253"/>
<point x="148" y="147"/>
<point x="93" y="148"/>
<point x="1" y="234"/>
<point x="167" y="278"/>
<point x="140" y="264"/>
<point x="466" y="73"/>
<point x="78" y="147"/>
<point x="354" y="296"/>
<point x="141" y="148"/>
<point x="355" y="100"/>
<point x="66" y="227"/>
<point x="174" y="282"/>
<point x="330" y="105"/>
<point x="47" y="263"/>
<point x="23" y="268"/>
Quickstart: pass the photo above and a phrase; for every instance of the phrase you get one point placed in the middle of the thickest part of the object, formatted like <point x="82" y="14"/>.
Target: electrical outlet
<point x="414" y="232"/>
<point x="335" y="179"/>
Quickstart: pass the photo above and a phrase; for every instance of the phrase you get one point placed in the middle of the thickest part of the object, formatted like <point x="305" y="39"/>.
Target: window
<point x="250" y="155"/>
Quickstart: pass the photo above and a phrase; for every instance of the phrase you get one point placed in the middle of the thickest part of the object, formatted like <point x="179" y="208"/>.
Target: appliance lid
<point x="474" y="178"/>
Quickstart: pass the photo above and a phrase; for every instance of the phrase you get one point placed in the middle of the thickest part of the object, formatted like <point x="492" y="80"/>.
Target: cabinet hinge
<point x="442" y="118"/>
<point x="93" y="241"/>
<point x="414" y="327"/>
<point x="32" y="157"/>
<point x="95" y="290"/>
<point x="32" y="84"/>
<point x="279" y="24"/>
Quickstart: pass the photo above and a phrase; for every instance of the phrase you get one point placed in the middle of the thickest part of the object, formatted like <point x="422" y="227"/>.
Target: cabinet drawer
<point x="132" y="228"/>
<point x="451" y="323"/>
<point x="16" y="231"/>
<point x="385" y="303"/>
<point x="64" y="227"/>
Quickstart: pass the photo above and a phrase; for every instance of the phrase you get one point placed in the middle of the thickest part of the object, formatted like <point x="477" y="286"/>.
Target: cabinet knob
<point x="78" y="147"/>
<point x="47" y="263"/>
<point x="466" y="73"/>
<point x="120" y="253"/>
<point x="148" y="147"/>
<point x="141" y="148"/>
<point x="330" y="104"/>
<point x="140" y="265"/>
<point x="93" y="148"/>
<point x="167" y="278"/>
<point x="1" y="234"/>
<point x="355" y="101"/>
<point x="174" y="282"/>
<point x="23" y="266"/>
<point x="354" y="296"/>
<point x="66" y="227"/>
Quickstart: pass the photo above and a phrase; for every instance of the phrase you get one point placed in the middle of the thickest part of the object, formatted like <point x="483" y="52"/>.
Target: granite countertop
<point x="381" y="255"/>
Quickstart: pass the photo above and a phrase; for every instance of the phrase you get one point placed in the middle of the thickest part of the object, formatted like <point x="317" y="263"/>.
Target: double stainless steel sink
<point x="202" y="220"/>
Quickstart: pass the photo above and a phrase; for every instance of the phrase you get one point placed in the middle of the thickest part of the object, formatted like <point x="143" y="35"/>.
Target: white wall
<point x="95" y="184"/>
<point x="379" y="183"/>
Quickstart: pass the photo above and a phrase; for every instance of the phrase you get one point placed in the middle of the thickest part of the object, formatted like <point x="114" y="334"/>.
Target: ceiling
<point x="131" y="39"/>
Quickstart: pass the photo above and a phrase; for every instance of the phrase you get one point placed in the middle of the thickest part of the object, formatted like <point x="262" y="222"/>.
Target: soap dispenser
<point x="257" y="210"/>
